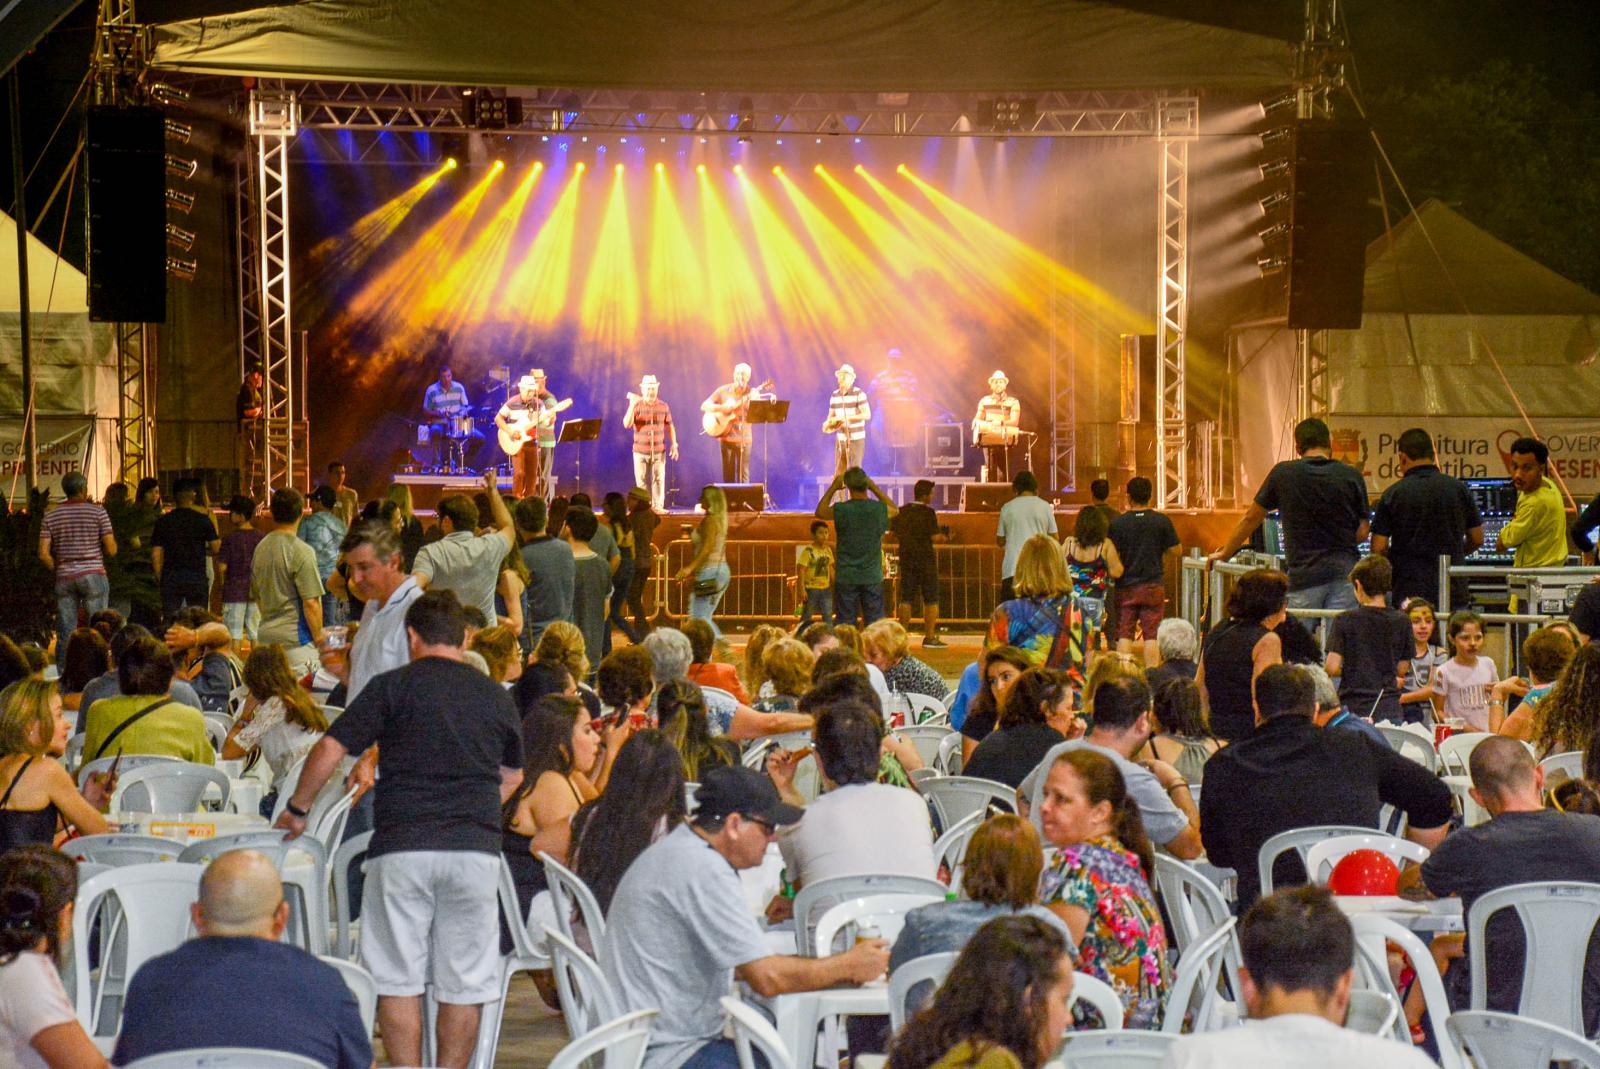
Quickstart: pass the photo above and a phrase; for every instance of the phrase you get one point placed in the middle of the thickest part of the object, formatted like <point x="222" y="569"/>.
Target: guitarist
<point x="848" y="416"/>
<point x="727" y="410"/>
<point x="655" y="438"/>
<point x="528" y="434"/>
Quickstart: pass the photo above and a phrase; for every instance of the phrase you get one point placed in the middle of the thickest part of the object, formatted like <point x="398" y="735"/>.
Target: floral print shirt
<point x="1124" y="943"/>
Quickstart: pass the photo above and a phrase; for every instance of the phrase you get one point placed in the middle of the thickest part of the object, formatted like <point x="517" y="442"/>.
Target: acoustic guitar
<point x="719" y="421"/>
<point x="524" y="425"/>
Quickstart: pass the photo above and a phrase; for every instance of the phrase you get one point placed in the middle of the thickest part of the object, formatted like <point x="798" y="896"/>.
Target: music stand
<point x="579" y="431"/>
<point x="767" y="411"/>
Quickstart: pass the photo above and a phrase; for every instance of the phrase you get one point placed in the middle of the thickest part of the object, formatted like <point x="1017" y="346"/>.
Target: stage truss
<point x="278" y="110"/>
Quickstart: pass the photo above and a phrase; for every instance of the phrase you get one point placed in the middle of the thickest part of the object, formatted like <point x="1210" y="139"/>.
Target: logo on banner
<point x="1466" y="449"/>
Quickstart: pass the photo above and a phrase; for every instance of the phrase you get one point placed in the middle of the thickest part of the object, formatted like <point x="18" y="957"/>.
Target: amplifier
<point x="985" y="497"/>
<point x="744" y="497"/>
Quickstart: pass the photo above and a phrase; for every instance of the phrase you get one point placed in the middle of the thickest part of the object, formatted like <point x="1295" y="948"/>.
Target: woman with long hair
<point x="500" y="650"/>
<point x="998" y="668"/>
<point x="1098" y="881"/>
<point x="1005" y="1004"/>
<point x="407" y="526"/>
<point x="1183" y="736"/>
<point x="681" y="714"/>
<point x="510" y="591"/>
<point x="38" y="1028"/>
<point x="87" y="657"/>
<point x="36" y="793"/>
<point x="708" y="569"/>
<point x="1237" y="651"/>
<point x="754" y="673"/>
<point x="1569" y="719"/>
<point x="646" y="802"/>
<point x="562" y="643"/>
<point x="1092" y="562"/>
<point x="1036" y="717"/>
<point x="1043" y="619"/>
<point x="614" y="512"/>
<point x="279" y="717"/>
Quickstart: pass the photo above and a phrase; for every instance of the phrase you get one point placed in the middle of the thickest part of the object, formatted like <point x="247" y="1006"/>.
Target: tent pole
<point x="30" y="440"/>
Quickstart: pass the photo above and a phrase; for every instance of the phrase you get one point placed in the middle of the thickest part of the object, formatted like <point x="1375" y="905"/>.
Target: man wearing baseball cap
<point x="848" y="416"/>
<point x="655" y="437"/>
<point x="680" y="930"/>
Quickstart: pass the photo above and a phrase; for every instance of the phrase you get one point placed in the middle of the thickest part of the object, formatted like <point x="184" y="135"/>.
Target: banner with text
<point x="64" y="446"/>
<point x="1468" y="448"/>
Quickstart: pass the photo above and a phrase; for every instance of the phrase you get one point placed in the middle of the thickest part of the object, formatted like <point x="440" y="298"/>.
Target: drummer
<point x="450" y="420"/>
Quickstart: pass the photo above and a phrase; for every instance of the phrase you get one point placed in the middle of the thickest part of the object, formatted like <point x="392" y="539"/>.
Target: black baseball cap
<point x="725" y="791"/>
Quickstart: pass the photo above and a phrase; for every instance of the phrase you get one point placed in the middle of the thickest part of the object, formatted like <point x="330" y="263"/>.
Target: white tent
<point x="1444" y="303"/>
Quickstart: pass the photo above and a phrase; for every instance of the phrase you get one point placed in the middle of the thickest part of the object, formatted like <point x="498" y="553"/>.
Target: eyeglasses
<point x="766" y="826"/>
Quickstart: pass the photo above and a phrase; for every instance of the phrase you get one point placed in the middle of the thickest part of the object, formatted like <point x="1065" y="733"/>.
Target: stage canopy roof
<point x="748" y="46"/>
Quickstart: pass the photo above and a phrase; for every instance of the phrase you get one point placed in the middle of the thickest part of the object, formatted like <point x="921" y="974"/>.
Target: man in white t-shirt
<point x="1296" y="979"/>
<point x="1021" y="518"/>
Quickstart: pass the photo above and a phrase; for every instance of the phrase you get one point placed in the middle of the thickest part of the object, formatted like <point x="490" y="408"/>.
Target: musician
<point x="250" y="406"/>
<point x="547" y="431"/>
<point x="655" y="438"/>
<point x="731" y="401"/>
<point x="446" y="403"/>
<point x="848" y="415"/>
<point x="995" y="426"/>
<point x="522" y="415"/>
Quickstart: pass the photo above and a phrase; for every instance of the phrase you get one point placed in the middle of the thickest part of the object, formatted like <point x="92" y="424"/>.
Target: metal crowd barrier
<point x="763" y="587"/>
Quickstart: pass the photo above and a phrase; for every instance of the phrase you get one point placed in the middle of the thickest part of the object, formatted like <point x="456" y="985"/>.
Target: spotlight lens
<point x="624" y="140"/>
<point x="618" y="169"/>
<point x="499" y="164"/>
<point x="700" y="168"/>
<point x="660" y="167"/>
<point x="858" y="169"/>
<point x="585" y="140"/>
<point x="817" y="168"/>
<point x="544" y="137"/>
<point x="580" y="166"/>
<point x="780" y="140"/>
<point x="858" y="141"/>
<point x="777" y="169"/>
<point x="902" y="169"/>
<point x="450" y="163"/>
<point x="738" y="168"/>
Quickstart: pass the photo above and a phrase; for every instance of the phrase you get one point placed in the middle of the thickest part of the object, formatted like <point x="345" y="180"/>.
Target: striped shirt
<point x="738" y="419"/>
<point x="849" y="410"/>
<point x="1000" y="411"/>
<point x="75" y="529"/>
<point x="650" y="422"/>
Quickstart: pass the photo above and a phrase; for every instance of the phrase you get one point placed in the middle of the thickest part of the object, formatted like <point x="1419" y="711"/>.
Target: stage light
<point x="1275" y="169"/>
<point x="660" y="168"/>
<point x="169" y="94"/>
<point x="738" y="168"/>
<point x="819" y="140"/>
<point x="623" y="140"/>
<point x="499" y="165"/>
<point x="1288" y="100"/>
<point x="183" y="239"/>
<point x="1271" y="233"/>
<point x="177" y="165"/>
<point x="450" y="163"/>
<point x="1276" y="136"/>
<point x="780" y="140"/>
<point x="702" y="140"/>
<point x="580" y="166"/>
<point x="181" y="268"/>
<point x="858" y="141"/>
<point x="1274" y="200"/>
<point x="544" y="137"/>
<point x="1013" y="113"/>
<point x="177" y="198"/>
<point x="1270" y="265"/>
<point x="699" y="168"/>
<point x="817" y="169"/>
<point x="617" y="170"/>
<point x="179" y="131"/>
<point x="777" y="169"/>
<point x="602" y="148"/>
<point x="585" y="139"/>
<point x="663" y="141"/>
<point x="539" y="166"/>
<point x="902" y="169"/>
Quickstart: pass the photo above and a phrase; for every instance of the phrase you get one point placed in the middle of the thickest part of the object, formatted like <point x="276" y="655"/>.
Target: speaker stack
<point x="127" y="214"/>
<point x="1327" y="254"/>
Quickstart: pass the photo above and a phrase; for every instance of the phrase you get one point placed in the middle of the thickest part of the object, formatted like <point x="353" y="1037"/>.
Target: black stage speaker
<point x="127" y="215"/>
<point x="985" y="497"/>
<point x="744" y="497"/>
<point x="1327" y="253"/>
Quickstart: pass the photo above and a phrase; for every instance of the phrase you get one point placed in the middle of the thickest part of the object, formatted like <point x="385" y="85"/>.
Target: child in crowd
<point x="234" y="560"/>
<point x="1369" y="647"/>
<point x="1426" y="655"/>
<point x="1462" y="685"/>
<point x="815" y="568"/>
<point x="1546" y="652"/>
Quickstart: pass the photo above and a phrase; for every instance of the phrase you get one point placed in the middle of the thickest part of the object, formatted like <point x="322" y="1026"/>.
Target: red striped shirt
<point x="75" y="529"/>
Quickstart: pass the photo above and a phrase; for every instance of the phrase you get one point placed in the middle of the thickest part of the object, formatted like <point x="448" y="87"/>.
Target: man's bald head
<point x="1502" y="771"/>
<point x="241" y="894"/>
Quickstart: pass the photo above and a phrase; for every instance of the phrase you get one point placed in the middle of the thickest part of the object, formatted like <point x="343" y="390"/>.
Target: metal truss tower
<point x="1319" y="74"/>
<point x="1178" y="125"/>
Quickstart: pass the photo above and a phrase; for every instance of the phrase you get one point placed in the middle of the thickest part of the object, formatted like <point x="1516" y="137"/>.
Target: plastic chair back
<point x="151" y="918"/>
<point x="122" y="849"/>
<point x="623" y="1042"/>
<point x="237" y="697"/>
<point x="224" y="1058"/>
<point x="1321" y="857"/>
<point x="568" y="892"/>
<point x="1195" y="990"/>
<point x="1506" y="1041"/>
<point x="925" y="707"/>
<point x="587" y="998"/>
<point x="328" y="815"/>
<point x="751" y="1029"/>
<point x="1100" y="995"/>
<point x="948" y="762"/>
<point x="350" y="853"/>
<point x="1373" y="935"/>
<point x="886" y="912"/>
<point x="129" y="763"/>
<point x="307" y="893"/>
<point x="361" y="985"/>
<point x="1557" y="919"/>
<point x="329" y="792"/>
<point x="217" y="727"/>
<point x="168" y="787"/>
<point x="913" y="984"/>
<point x="1114" y="1050"/>
<point x="1194" y="905"/>
<point x="1455" y="751"/>
<point x="1375" y="1013"/>
<point x="815" y="897"/>
<point x="955" y="797"/>
<point x="73" y="753"/>
<point x="951" y="848"/>
<point x="690" y="803"/>
<point x="1298" y="840"/>
<point x="926" y="738"/>
<point x="1568" y="764"/>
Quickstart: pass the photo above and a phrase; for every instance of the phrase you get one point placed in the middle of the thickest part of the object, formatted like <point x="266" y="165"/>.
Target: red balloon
<point x="1364" y="872"/>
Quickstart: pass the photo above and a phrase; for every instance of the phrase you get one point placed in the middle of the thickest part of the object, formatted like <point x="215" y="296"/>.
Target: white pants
<point x="433" y="914"/>
<point x="650" y="472"/>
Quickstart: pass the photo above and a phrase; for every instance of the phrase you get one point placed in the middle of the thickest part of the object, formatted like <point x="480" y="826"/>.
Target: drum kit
<point x="441" y="444"/>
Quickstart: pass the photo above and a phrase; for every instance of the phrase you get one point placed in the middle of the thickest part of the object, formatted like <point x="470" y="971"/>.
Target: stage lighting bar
<point x="1274" y="232"/>
<point x="169" y="94"/>
<point x="1007" y="113"/>
<point x="178" y="267"/>
<point x="483" y="110"/>
<point x="177" y="165"/>
<point x="183" y="239"/>
<point x="1277" y="136"/>
<point x="183" y="202"/>
<point x="1288" y="100"/>
<point x="1274" y="200"/>
<point x="1271" y="265"/>
<point x="180" y="132"/>
<point x="1275" y="169"/>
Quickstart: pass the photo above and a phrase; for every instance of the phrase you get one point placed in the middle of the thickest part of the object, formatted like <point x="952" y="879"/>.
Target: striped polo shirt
<point x="650" y="422"/>
<point x="849" y="410"/>
<point x="75" y="529"/>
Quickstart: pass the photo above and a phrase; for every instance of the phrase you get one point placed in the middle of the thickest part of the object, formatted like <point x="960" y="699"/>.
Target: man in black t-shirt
<point x="1144" y="538"/>
<point x="1522" y="843"/>
<point x="916" y="526"/>
<point x="1423" y="516"/>
<point x="1322" y="504"/>
<point x="1370" y="647"/>
<point x="450" y="754"/>
<point x="180" y="543"/>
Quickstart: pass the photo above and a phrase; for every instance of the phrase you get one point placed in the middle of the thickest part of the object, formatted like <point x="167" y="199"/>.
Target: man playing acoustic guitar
<point x="726" y="418"/>
<point x="527" y="425"/>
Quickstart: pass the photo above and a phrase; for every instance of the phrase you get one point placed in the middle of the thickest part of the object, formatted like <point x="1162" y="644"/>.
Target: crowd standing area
<point x="327" y="789"/>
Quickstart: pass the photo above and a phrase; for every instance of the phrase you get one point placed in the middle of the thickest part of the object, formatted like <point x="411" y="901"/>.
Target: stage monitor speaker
<point x="985" y="497"/>
<point x="1327" y="250"/>
<point x="127" y="215"/>
<point x="744" y="497"/>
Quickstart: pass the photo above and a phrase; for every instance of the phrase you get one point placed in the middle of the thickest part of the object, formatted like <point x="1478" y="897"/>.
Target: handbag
<point x="704" y="588"/>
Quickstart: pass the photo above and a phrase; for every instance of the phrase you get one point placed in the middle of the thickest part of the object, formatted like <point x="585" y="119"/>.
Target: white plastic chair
<point x="329" y="793"/>
<point x="623" y="1042"/>
<point x="924" y="708"/>
<point x="1373" y="935"/>
<point x="225" y="1058"/>
<point x="151" y="918"/>
<point x="1195" y="992"/>
<point x="1557" y="920"/>
<point x="690" y="802"/>
<point x="955" y="797"/>
<point x="361" y="985"/>
<point x="168" y="787"/>
<point x="1321" y="857"/>
<point x="1374" y="1013"/>
<point x="524" y="956"/>
<point x="951" y="848"/>
<point x="1114" y="1050"/>
<point x="948" y="761"/>
<point x="568" y="892"/>
<point x="1100" y="995"/>
<point x="328" y="816"/>
<point x="122" y="849"/>
<point x="885" y="912"/>
<point x="907" y="993"/>
<point x="350" y="853"/>
<point x="752" y="1029"/>
<point x="815" y="897"/>
<point x="1569" y="764"/>
<point x="587" y="998"/>
<point x="73" y="753"/>
<point x="926" y="738"/>
<point x="1506" y="1041"/>
<point x="1299" y="840"/>
<point x="129" y="763"/>
<point x="217" y="727"/>
<point x="237" y="697"/>
<point x="1410" y="745"/>
<point x="1456" y="751"/>
<point x="306" y="891"/>
<point x="1194" y="904"/>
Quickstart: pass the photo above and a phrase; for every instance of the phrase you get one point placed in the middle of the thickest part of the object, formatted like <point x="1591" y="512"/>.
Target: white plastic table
<point x="1430" y="915"/>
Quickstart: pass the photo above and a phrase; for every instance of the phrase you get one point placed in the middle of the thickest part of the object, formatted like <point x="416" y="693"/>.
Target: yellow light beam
<point x="901" y="254"/>
<point x="609" y="310"/>
<point x="464" y="294"/>
<point x="802" y="294"/>
<point x="735" y="303"/>
<point x="861" y="283"/>
<point x="347" y="251"/>
<point x="677" y="284"/>
<point x="538" y="284"/>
